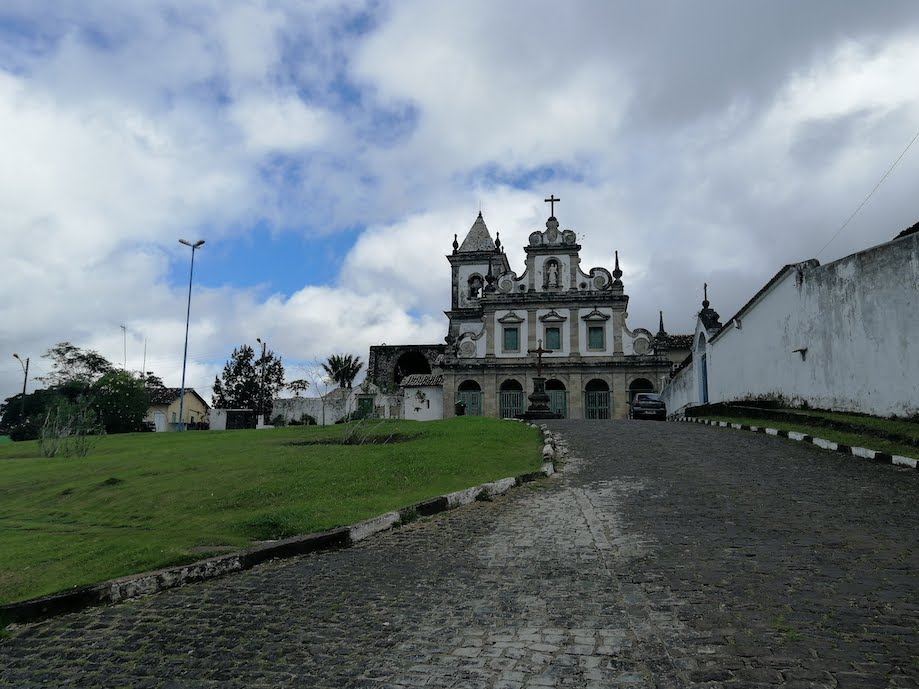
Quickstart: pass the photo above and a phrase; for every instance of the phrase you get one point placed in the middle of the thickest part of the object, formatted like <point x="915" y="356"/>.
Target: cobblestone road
<point x="664" y="555"/>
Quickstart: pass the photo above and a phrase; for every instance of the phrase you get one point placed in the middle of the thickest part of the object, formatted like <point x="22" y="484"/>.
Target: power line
<point x="862" y="204"/>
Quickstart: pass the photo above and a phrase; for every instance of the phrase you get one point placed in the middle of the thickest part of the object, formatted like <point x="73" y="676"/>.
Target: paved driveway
<point x="664" y="555"/>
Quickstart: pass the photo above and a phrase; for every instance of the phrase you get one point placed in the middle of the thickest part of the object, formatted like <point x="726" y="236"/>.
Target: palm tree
<point x="343" y="368"/>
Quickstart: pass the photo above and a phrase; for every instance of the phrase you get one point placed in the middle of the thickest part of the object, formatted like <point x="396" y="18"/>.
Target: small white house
<point x="423" y="396"/>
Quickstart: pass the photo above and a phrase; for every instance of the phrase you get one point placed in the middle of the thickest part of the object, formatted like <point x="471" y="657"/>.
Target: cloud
<point x="286" y="125"/>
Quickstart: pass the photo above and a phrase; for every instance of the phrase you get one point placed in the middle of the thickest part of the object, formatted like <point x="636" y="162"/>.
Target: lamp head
<point x="15" y="355"/>
<point x="185" y="242"/>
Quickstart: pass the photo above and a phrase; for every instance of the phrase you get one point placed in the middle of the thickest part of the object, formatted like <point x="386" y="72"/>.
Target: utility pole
<point x="261" y="385"/>
<point x="124" y="336"/>
<point x="191" y="273"/>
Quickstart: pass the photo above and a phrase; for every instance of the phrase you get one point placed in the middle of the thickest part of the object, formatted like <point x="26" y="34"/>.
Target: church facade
<point x="592" y="361"/>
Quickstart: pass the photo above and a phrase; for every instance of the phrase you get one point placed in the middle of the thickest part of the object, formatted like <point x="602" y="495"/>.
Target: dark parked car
<point x="648" y="405"/>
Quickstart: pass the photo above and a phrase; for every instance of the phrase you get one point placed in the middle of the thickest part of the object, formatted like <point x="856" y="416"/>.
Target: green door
<point x="473" y="401"/>
<point x="511" y="403"/>
<point x="558" y="402"/>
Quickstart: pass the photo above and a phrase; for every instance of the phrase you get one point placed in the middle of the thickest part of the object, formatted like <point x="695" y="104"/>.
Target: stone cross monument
<point x="539" y="398"/>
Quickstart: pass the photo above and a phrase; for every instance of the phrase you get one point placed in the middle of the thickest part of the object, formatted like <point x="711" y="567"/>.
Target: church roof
<point x="478" y="238"/>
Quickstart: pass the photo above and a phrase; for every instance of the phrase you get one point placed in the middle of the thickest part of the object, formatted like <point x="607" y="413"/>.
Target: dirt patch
<point x="370" y="440"/>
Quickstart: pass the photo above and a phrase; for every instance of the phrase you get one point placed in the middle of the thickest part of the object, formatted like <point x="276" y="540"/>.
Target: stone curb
<point x="132" y="586"/>
<point x="862" y="452"/>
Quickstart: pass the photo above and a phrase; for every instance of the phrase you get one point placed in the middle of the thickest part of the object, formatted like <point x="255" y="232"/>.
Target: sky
<point x="327" y="152"/>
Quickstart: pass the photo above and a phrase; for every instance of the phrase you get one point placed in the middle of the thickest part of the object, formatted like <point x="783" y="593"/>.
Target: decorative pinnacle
<point x="705" y="301"/>
<point x="497" y="242"/>
<point x="661" y="326"/>
<point x="455" y="243"/>
<point x="616" y="272"/>
<point x="490" y="279"/>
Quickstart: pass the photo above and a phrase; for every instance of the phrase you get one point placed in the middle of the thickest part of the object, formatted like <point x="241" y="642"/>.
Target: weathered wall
<point x="326" y="411"/>
<point x="841" y="336"/>
<point x="383" y="360"/>
<point x="680" y="392"/>
<point x="424" y="403"/>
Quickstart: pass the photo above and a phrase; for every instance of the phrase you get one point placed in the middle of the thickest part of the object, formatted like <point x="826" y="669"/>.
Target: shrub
<point x="68" y="428"/>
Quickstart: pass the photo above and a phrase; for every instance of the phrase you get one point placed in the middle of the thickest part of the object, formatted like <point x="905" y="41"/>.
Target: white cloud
<point x="283" y="125"/>
<point x="488" y="90"/>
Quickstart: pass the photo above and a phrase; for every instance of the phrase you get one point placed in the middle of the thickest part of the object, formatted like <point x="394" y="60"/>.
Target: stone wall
<point x="327" y="410"/>
<point x="383" y="363"/>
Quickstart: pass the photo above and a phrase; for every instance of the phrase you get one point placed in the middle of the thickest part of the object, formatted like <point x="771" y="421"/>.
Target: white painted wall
<point x="680" y="391"/>
<point x="858" y="319"/>
<point x="424" y="402"/>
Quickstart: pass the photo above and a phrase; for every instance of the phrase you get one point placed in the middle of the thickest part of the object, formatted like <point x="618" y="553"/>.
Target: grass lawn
<point x="853" y="439"/>
<point x="5" y="439"/>
<point x="144" y="501"/>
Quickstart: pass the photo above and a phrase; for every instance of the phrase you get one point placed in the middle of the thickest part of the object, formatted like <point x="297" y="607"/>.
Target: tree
<point x="152" y="381"/>
<point x="70" y="364"/>
<point x="21" y="419"/>
<point x="120" y="401"/>
<point x="241" y="385"/>
<point x="343" y="368"/>
<point x="298" y="386"/>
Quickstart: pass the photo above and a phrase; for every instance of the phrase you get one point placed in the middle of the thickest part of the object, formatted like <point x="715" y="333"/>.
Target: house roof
<point x="170" y="395"/>
<point x="416" y="380"/>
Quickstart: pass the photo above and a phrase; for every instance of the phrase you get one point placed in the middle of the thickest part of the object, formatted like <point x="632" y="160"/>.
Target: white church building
<point x="593" y="362"/>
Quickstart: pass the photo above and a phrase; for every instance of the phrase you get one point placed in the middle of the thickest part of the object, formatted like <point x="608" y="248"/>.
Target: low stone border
<point x="863" y="452"/>
<point x="132" y="586"/>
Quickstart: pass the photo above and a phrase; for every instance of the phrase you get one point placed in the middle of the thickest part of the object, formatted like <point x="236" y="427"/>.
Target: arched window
<point x="475" y="284"/>
<point x="408" y="363"/>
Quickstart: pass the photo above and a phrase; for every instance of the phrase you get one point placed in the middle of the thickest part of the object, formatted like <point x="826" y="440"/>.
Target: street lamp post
<point x="261" y="385"/>
<point x="25" y="380"/>
<point x="191" y="273"/>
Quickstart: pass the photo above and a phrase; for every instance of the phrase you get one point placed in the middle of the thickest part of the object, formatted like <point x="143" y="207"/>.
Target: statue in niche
<point x="550" y="278"/>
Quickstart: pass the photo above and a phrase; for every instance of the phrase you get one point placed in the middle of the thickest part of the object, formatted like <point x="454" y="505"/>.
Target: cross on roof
<point x="552" y="201"/>
<point x="539" y="351"/>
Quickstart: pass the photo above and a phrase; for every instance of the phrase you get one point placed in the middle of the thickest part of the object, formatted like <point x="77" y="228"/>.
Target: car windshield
<point x="650" y="396"/>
